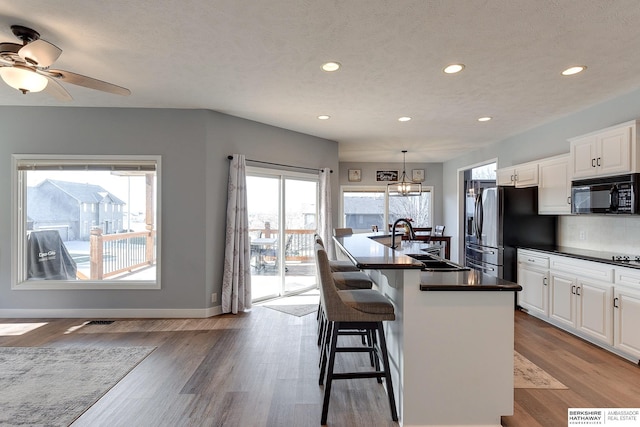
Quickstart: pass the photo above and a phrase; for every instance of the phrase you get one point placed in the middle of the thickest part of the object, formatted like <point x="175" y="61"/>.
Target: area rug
<point x="529" y="375"/>
<point x="294" y="309"/>
<point x="54" y="386"/>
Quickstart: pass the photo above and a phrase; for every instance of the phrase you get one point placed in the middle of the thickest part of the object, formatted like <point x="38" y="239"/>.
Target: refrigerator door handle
<point x="480" y="267"/>
<point x="480" y="251"/>
<point x="479" y="217"/>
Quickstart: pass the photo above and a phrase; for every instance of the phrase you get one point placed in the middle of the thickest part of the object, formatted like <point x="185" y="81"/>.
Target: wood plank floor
<point x="260" y="369"/>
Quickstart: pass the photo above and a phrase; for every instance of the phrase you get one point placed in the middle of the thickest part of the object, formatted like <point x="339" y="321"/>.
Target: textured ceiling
<point x="261" y="60"/>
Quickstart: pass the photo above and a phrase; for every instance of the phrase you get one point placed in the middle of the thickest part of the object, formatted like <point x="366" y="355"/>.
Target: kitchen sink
<point x="435" y="263"/>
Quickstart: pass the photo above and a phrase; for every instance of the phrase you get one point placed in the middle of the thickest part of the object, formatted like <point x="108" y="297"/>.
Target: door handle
<point x="480" y="267"/>
<point x="471" y="248"/>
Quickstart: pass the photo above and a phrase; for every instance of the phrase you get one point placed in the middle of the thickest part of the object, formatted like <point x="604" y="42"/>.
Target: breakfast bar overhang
<point x="451" y="345"/>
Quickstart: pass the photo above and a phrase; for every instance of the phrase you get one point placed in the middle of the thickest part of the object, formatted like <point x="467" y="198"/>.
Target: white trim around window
<point x="138" y="250"/>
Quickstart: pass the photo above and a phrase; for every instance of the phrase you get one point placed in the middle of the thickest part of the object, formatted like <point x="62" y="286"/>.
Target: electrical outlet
<point x="214" y="297"/>
<point x="583" y="235"/>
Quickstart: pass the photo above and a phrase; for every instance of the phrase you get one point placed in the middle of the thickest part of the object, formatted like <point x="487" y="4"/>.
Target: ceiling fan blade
<point x="40" y="53"/>
<point x="56" y="90"/>
<point x="88" y="82"/>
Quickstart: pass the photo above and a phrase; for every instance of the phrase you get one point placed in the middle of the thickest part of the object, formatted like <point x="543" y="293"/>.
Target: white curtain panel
<point x="236" y="281"/>
<point x="325" y="225"/>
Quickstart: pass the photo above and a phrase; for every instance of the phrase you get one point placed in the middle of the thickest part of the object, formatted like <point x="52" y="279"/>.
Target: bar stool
<point x="346" y="276"/>
<point x="362" y="309"/>
<point x="337" y="265"/>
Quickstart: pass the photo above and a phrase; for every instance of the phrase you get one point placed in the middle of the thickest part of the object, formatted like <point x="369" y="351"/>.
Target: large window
<point x="365" y="207"/>
<point x="86" y="222"/>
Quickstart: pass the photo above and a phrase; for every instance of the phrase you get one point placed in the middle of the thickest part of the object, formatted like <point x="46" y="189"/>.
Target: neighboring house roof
<point x="363" y="205"/>
<point x="85" y="193"/>
<point x="39" y="199"/>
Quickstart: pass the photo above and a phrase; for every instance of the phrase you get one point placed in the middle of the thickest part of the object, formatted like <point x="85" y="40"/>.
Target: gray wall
<point x="194" y="145"/>
<point x="433" y="177"/>
<point x="543" y="141"/>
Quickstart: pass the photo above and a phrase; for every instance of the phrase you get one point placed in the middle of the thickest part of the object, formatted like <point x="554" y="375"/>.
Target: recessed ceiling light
<point x="331" y="66"/>
<point x="324" y="117"/>
<point x="484" y="119"/>
<point x="404" y="119"/>
<point x="453" y="68"/>
<point x="574" y="70"/>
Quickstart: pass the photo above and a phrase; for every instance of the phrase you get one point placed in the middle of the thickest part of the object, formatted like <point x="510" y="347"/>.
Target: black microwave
<point x="607" y="195"/>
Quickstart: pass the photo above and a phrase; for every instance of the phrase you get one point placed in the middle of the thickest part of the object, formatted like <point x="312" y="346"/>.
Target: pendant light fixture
<point x="404" y="187"/>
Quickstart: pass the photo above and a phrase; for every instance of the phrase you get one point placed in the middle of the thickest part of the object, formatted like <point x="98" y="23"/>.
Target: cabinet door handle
<point x="615" y="303"/>
<point x="578" y="291"/>
<point x="593" y="163"/>
<point x="573" y="289"/>
<point x="598" y="162"/>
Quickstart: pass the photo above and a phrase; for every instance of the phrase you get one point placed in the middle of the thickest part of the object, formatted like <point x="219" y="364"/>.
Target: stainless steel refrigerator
<point x="498" y="221"/>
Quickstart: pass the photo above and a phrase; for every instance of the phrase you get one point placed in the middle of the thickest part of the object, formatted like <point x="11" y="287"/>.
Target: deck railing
<point x="299" y="242"/>
<point x="113" y="254"/>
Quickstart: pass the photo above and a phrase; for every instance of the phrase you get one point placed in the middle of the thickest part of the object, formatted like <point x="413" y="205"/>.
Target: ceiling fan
<point x="25" y="67"/>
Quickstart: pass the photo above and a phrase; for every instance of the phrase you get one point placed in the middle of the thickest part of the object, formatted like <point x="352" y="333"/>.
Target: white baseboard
<point x="114" y="313"/>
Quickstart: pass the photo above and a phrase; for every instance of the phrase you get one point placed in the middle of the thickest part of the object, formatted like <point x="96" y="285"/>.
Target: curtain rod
<point x="280" y="164"/>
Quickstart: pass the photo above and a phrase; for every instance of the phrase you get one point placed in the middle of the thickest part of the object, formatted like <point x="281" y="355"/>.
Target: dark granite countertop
<point x="471" y="280"/>
<point x="588" y="255"/>
<point x="367" y="251"/>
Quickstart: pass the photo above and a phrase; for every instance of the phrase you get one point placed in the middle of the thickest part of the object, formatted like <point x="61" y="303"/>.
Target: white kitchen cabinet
<point x="597" y="301"/>
<point x="626" y="321"/>
<point x="554" y="188"/>
<point x="562" y="304"/>
<point x="524" y="175"/>
<point x="583" y="305"/>
<point x="626" y="311"/>
<point x="595" y="310"/>
<point x="581" y="297"/>
<point x="611" y="151"/>
<point x="533" y="273"/>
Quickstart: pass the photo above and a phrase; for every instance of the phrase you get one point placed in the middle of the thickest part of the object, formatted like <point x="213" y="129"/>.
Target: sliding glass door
<point x="282" y="209"/>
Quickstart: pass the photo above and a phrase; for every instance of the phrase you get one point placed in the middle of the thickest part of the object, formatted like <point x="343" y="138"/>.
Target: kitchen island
<point x="451" y="345"/>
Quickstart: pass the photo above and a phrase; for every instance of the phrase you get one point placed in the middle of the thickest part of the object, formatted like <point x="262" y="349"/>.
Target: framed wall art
<point x="386" y="175"/>
<point x="417" y="175"/>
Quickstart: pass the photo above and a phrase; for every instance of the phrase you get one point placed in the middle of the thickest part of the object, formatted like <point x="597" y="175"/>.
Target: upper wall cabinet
<point x="524" y="175"/>
<point x="611" y="151"/>
<point x="554" y="190"/>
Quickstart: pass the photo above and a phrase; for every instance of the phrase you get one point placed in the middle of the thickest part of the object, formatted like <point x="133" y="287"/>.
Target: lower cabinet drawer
<point x="588" y="269"/>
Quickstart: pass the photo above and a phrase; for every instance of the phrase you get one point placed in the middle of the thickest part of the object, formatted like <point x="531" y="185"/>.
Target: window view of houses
<point x="91" y="225"/>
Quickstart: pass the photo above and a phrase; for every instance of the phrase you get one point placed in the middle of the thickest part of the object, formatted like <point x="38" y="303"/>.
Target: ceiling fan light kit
<point x="23" y="79"/>
<point x="25" y="67"/>
<point x="404" y="187"/>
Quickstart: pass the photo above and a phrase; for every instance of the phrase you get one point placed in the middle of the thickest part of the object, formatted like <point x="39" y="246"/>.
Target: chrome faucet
<point x="412" y="234"/>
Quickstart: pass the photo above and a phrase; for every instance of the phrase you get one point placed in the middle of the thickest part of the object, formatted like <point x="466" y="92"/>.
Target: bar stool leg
<point x="387" y="372"/>
<point x="331" y="362"/>
<point x="324" y="347"/>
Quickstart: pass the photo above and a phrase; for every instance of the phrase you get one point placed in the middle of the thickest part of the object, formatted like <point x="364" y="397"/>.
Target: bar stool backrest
<point x="339" y="232"/>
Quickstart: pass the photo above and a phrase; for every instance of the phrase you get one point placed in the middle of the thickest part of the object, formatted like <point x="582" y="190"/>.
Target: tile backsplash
<point x="620" y="234"/>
